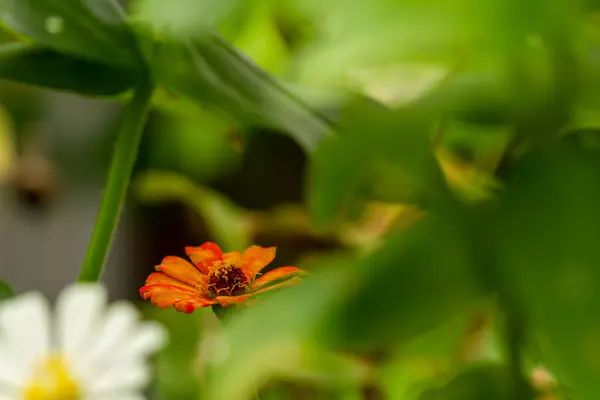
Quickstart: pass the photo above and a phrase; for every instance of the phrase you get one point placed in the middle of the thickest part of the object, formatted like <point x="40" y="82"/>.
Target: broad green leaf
<point x="486" y="381"/>
<point x="211" y="72"/>
<point x="6" y="291"/>
<point x="378" y="152"/>
<point x="548" y="226"/>
<point x="50" y="69"/>
<point x="93" y="29"/>
<point x="413" y="283"/>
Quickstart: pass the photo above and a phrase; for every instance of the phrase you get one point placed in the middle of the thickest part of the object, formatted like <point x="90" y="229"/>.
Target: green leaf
<point x="431" y="359"/>
<point x="418" y="279"/>
<point x="486" y="381"/>
<point x="547" y="247"/>
<point x="176" y="374"/>
<point x="379" y="153"/>
<point x="50" y="69"/>
<point x="6" y="291"/>
<point x="93" y="29"/>
<point x="261" y="41"/>
<point x="211" y="72"/>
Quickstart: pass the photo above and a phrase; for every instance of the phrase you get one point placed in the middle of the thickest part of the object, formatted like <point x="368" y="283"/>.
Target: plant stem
<point x="119" y="175"/>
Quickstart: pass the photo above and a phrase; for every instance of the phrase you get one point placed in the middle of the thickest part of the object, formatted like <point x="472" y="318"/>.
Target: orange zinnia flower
<point x="215" y="277"/>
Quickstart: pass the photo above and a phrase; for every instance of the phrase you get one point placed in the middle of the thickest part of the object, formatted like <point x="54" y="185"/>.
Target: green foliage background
<point x="483" y="116"/>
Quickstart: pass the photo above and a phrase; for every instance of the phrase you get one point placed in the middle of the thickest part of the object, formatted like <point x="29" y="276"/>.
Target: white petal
<point x="151" y="336"/>
<point x="79" y="308"/>
<point x="124" y="367"/>
<point x="122" y="378"/>
<point x="116" y="396"/>
<point x="112" y="334"/>
<point x="25" y="332"/>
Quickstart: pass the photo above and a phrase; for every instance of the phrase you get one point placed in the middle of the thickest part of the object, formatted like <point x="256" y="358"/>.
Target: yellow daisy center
<point x="51" y="381"/>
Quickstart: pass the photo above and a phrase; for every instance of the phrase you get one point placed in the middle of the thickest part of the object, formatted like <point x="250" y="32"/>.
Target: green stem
<point x="126" y="147"/>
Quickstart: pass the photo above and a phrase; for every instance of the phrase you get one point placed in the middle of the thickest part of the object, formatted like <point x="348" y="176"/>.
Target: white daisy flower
<point x="86" y="351"/>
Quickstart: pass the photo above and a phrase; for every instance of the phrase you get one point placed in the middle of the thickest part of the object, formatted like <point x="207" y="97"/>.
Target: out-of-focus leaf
<point x="487" y="381"/>
<point x="403" y="289"/>
<point x="93" y="29"/>
<point x="548" y="226"/>
<point x="6" y="291"/>
<point x="50" y="69"/>
<point x="176" y="375"/>
<point x="379" y="151"/>
<point x="471" y="183"/>
<point x="430" y="359"/>
<point x="199" y="146"/>
<point x="371" y="34"/>
<point x="184" y="17"/>
<point x="226" y="222"/>
<point x="261" y="41"/>
<point x="211" y="72"/>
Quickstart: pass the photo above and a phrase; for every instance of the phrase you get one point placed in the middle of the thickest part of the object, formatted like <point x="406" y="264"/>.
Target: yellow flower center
<point x="51" y="381"/>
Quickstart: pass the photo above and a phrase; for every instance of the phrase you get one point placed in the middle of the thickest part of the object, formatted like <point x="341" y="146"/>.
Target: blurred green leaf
<point x="50" y="69"/>
<point x="379" y="151"/>
<point x="483" y="382"/>
<point x="374" y="35"/>
<point x="261" y="41"/>
<point x="6" y="291"/>
<point x="227" y="223"/>
<point x="184" y="17"/>
<point x="200" y="146"/>
<point x="430" y="359"/>
<point x="211" y="72"/>
<point x="93" y="29"/>
<point x="176" y="364"/>
<point x="402" y="290"/>
<point x="547" y="246"/>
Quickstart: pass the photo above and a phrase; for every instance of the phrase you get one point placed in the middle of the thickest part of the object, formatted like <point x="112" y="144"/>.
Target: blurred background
<point x="495" y="78"/>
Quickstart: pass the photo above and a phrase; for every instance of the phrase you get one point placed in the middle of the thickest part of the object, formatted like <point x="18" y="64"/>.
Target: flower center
<point x="226" y="280"/>
<point x="51" y="381"/>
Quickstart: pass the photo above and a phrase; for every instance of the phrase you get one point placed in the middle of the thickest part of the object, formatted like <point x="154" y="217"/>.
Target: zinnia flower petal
<point x="233" y="258"/>
<point x="275" y="275"/>
<point x="204" y="256"/>
<point x="182" y="270"/>
<point x="160" y="278"/>
<point x="166" y="295"/>
<point x="188" y="306"/>
<point x="255" y="258"/>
